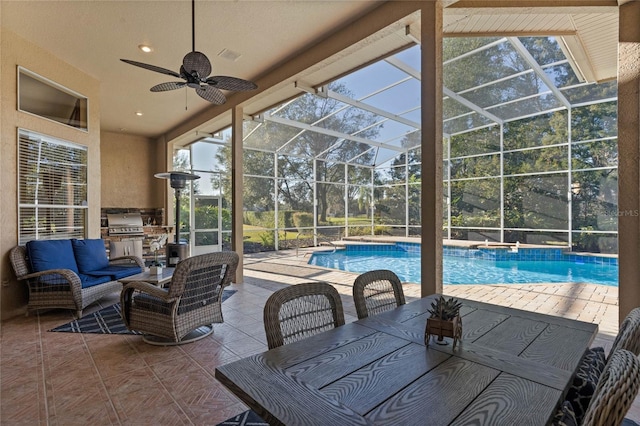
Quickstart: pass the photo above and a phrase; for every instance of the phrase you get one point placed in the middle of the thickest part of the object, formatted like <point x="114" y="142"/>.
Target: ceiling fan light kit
<point x="195" y="71"/>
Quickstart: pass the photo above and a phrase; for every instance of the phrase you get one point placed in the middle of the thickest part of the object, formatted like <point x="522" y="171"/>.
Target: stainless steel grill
<point x="125" y="224"/>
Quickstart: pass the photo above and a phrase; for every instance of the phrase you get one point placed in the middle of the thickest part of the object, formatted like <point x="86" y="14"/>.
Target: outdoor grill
<point x="129" y="224"/>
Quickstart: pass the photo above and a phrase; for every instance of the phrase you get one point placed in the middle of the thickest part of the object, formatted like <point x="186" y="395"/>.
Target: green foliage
<point x="360" y="230"/>
<point x="302" y="220"/>
<point x="537" y="152"/>
<point x="268" y="239"/>
<point x="266" y="219"/>
<point x="381" y="230"/>
<point x="445" y="309"/>
<point x="478" y="142"/>
<point x="206" y="217"/>
<point x="594" y="121"/>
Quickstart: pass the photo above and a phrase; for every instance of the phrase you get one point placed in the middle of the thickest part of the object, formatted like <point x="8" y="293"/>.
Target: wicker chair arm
<point x="75" y="285"/>
<point x="148" y="288"/>
<point x="121" y="259"/>
<point x="67" y="274"/>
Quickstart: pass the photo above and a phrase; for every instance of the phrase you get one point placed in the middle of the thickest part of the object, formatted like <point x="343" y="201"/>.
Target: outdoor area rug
<point x="248" y="418"/>
<point x="107" y="321"/>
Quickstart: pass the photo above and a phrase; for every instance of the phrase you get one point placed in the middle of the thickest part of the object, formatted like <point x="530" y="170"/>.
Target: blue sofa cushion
<point x="90" y="255"/>
<point x="51" y="254"/>
<point x="117" y="271"/>
<point x="91" y="280"/>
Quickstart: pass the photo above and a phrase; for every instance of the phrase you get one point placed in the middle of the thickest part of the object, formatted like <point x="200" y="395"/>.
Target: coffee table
<point x="160" y="280"/>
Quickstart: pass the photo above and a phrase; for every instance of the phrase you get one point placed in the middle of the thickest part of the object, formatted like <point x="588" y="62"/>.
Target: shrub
<point x="381" y="230"/>
<point x="266" y="219"/>
<point x="268" y="239"/>
<point x="359" y="230"/>
<point x="302" y="220"/>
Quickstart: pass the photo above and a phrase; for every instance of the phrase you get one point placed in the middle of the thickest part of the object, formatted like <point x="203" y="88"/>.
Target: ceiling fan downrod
<point x="193" y="25"/>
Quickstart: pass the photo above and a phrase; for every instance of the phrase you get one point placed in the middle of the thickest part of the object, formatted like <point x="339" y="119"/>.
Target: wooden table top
<point x="511" y="367"/>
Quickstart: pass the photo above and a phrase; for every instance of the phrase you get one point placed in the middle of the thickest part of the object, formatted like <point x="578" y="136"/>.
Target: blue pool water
<point x="464" y="270"/>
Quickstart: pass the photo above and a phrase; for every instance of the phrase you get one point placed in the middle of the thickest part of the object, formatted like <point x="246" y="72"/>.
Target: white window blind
<point x="52" y="188"/>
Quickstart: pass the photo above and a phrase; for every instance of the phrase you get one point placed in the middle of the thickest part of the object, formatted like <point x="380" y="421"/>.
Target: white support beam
<point x="471" y="105"/>
<point x="517" y="44"/>
<point x="328" y="132"/>
<point x="366" y="107"/>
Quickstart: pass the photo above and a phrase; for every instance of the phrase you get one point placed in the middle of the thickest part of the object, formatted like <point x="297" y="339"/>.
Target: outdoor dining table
<point x="512" y="367"/>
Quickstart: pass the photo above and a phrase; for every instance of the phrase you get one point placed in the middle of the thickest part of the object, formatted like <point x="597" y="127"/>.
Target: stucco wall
<point x="128" y="165"/>
<point x="17" y="51"/>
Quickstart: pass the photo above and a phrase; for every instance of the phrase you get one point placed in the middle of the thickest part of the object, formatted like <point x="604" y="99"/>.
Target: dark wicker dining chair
<point x="617" y="388"/>
<point x="300" y="311"/>
<point x="628" y="336"/>
<point x="377" y="291"/>
<point x="186" y="310"/>
<point x="593" y="363"/>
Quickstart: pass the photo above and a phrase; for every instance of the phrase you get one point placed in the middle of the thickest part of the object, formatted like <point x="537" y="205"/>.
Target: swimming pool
<point x="469" y="270"/>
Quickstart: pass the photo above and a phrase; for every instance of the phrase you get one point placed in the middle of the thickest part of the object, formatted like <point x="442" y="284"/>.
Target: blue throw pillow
<point x="51" y="254"/>
<point x="90" y="255"/>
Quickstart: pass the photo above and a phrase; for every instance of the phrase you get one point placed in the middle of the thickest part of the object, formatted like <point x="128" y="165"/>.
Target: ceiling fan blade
<point x="152" y="68"/>
<point x="231" y="83"/>
<point x="172" y="85"/>
<point x="198" y="62"/>
<point x="211" y="94"/>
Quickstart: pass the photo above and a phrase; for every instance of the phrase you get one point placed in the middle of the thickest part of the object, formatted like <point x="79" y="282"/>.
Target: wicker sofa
<point x="71" y="273"/>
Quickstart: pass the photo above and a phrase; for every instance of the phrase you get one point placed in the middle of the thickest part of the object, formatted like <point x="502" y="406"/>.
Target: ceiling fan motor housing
<point x="195" y="71"/>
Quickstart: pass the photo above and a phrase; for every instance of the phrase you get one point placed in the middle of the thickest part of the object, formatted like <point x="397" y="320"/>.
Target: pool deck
<point x="580" y="301"/>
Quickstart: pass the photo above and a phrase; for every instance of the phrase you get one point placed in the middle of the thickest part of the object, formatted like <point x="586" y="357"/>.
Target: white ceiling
<point x="92" y="35"/>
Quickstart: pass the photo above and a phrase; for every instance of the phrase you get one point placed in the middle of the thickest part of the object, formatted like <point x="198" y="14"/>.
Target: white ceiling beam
<point x="575" y="52"/>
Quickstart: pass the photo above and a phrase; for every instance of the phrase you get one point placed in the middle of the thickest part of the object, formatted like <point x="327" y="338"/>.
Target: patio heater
<point x="177" y="250"/>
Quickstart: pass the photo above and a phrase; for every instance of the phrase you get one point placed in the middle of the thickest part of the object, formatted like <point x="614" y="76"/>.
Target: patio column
<point x="431" y="200"/>
<point x="237" y="236"/>
<point x="628" y="153"/>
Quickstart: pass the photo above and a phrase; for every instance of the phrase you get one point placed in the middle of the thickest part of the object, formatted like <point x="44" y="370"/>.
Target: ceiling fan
<point x="195" y="72"/>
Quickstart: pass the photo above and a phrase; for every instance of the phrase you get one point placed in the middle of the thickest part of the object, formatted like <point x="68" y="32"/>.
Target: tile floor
<point x="51" y="378"/>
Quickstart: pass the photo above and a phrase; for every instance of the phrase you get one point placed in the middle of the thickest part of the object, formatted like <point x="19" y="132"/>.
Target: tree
<point x="296" y="147"/>
<point x="328" y="151"/>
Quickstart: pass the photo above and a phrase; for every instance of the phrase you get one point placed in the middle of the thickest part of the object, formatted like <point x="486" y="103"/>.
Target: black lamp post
<point x="178" y="181"/>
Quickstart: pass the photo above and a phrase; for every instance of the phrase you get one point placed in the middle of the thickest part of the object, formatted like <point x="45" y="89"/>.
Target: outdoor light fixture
<point x="178" y="181"/>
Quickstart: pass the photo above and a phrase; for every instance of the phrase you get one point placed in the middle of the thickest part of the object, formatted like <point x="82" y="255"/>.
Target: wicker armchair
<point x="186" y="310"/>
<point x="628" y="336"/>
<point x="375" y="292"/>
<point x="593" y="363"/>
<point x="617" y="388"/>
<point x="300" y="311"/>
<point x="62" y="288"/>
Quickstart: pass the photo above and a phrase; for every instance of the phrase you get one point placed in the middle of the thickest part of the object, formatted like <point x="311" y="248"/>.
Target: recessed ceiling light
<point x="145" y="48"/>
<point x="138" y="113"/>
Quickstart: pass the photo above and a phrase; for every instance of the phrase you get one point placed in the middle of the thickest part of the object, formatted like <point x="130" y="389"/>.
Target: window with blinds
<point x="52" y="188"/>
